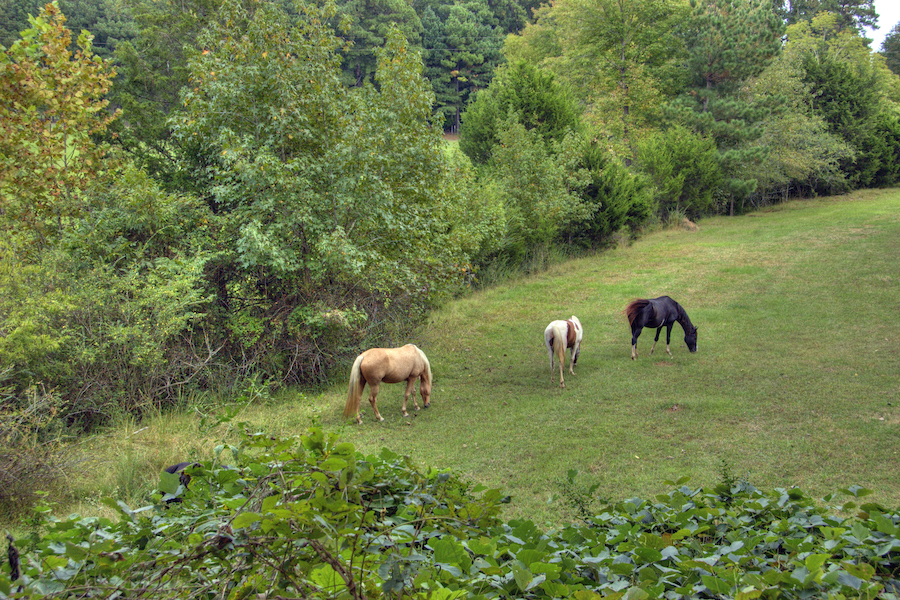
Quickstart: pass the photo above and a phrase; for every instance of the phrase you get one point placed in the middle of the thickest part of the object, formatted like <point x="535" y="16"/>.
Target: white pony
<point x="560" y="335"/>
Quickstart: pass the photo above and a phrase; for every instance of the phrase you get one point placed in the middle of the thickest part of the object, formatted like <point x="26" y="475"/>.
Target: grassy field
<point x="795" y="382"/>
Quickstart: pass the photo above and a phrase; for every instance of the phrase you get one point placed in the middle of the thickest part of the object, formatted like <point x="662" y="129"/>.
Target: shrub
<point x="617" y="197"/>
<point x="684" y="168"/>
<point x="311" y="517"/>
<point x="536" y="182"/>
<point x="521" y="93"/>
<point x="32" y="457"/>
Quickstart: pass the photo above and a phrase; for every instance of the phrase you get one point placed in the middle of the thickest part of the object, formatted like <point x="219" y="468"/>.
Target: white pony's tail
<point x="558" y="345"/>
<point x="354" y="390"/>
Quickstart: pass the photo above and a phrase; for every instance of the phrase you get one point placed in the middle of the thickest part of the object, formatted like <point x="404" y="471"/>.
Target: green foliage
<point x="311" y="517"/>
<point x="846" y="100"/>
<point x="851" y="15"/>
<point x="51" y="104"/>
<point x="301" y="516"/>
<point x="106" y="317"/>
<point x="538" y="190"/>
<point x="520" y="93"/>
<point x="729" y="42"/>
<point x="890" y="48"/>
<point x="801" y="155"/>
<point x="152" y="68"/>
<point x="684" y="169"/>
<point x="616" y="196"/>
<point x="462" y="42"/>
<point x="579" y="498"/>
<point x="848" y="92"/>
<point x="371" y="21"/>
<point x="885" y="150"/>
<point x="329" y="198"/>
<point x="619" y="58"/>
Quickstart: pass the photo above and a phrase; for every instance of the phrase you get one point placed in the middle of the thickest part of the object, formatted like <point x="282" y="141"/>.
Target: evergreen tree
<point x="523" y="94"/>
<point x="14" y="18"/>
<point x="619" y="55"/>
<point x="728" y="42"/>
<point x="848" y="92"/>
<point x="852" y="14"/>
<point x="370" y="21"/>
<point x="462" y="49"/>
<point x="890" y="49"/>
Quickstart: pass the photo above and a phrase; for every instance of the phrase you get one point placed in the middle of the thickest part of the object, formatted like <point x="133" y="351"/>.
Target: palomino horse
<point x="560" y="335"/>
<point x="659" y="312"/>
<point x="388" y="365"/>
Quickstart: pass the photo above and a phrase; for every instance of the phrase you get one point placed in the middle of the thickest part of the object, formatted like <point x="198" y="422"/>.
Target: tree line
<point x="209" y="192"/>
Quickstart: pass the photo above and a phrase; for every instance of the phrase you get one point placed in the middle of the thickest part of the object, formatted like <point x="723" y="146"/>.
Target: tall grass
<point x="795" y="382"/>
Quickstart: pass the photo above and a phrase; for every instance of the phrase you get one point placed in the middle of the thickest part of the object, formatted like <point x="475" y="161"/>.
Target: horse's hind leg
<point x="635" y="332"/>
<point x="373" y="399"/>
<point x="410" y="384"/>
<point x="561" y="359"/>
<point x="362" y="387"/>
<point x="550" y="352"/>
<point x="656" y="339"/>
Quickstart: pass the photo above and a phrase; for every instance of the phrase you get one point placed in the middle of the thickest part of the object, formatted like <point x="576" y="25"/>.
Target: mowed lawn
<point x="796" y="381"/>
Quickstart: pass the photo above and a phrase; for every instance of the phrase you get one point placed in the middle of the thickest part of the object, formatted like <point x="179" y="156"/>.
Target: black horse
<point x="659" y="312"/>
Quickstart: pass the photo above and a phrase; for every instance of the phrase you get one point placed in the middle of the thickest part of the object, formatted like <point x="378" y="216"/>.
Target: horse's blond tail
<point x="559" y="345"/>
<point x="354" y="390"/>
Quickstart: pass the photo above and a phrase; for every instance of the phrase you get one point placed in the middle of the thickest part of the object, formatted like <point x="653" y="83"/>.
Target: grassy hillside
<point x="796" y="381"/>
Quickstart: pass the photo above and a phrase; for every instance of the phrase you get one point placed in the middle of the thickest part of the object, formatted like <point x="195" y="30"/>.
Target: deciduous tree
<point x="52" y="103"/>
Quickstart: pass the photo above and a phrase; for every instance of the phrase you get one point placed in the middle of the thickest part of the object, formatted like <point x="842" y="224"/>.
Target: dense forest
<point x="201" y="193"/>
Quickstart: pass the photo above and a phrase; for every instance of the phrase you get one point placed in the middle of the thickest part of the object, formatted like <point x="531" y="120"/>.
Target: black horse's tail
<point x="634" y="308"/>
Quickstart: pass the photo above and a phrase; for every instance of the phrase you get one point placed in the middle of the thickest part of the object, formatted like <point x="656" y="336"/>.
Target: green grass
<point x="795" y="382"/>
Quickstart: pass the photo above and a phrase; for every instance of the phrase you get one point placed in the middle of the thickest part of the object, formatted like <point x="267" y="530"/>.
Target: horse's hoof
<point x="427" y="406"/>
<point x="562" y="385"/>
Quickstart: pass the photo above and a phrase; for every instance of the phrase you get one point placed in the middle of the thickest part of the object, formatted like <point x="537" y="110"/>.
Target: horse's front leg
<point x="410" y="384"/>
<point x="373" y="399"/>
<point x="425" y="390"/>
<point x="668" y="339"/>
<point x="656" y="339"/>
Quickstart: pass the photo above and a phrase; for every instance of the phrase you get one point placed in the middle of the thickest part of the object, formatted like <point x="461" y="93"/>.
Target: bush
<point x="618" y="198"/>
<point x="107" y="315"/>
<point x="537" y="182"/>
<point x="311" y="517"/>
<point x="32" y="456"/>
<point x="521" y="93"/>
<point x="684" y="169"/>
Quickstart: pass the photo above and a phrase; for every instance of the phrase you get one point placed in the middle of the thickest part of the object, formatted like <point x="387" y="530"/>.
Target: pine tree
<point x="728" y="42"/>
<point x="890" y="48"/>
